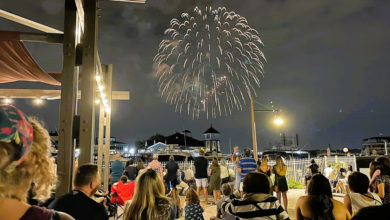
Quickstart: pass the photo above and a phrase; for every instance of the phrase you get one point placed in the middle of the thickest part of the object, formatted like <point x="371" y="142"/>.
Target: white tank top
<point x="359" y="201"/>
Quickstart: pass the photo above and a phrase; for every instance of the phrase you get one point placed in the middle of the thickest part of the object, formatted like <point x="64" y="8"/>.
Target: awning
<point x="16" y="63"/>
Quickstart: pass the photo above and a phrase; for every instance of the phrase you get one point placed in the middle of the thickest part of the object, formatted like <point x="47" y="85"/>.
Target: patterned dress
<point x="386" y="180"/>
<point x="194" y="212"/>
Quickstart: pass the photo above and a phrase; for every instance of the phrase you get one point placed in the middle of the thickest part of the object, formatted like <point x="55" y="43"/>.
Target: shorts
<point x="201" y="182"/>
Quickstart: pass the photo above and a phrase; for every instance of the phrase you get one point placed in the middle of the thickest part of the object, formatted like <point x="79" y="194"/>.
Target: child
<point x="193" y="209"/>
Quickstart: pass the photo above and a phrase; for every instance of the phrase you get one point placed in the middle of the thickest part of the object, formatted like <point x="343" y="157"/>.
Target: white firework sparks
<point x="209" y="62"/>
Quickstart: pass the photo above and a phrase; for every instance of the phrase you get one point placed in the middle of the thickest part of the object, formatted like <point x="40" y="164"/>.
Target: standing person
<point x="172" y="169"/>
<point x="156" y="165"/>
<point x="264" y="167"/>
<point x="140" y="166"/>
<point x="24" y="157"/>
<point x="131" y="170"/>
<point x="359" y="197"/>
<point x="193" y="209"/>
<point x="319" y="204"/>
<point x="116" y="169"/>
<point x="313" y="168"/>
<point x="246" y="165"/>
<point x="149" y="201"/>
<point x="328" y="171"/>
<point x="189" y="175"/>
<point x="78" y="203"/>
<point x="235" y="154"/>
<point x="281" y="187"/>
<point x="382" y="181"/>
<point x="201" y="165"/>
<point x="215" y="179"/>
<point x="257" y="202"/>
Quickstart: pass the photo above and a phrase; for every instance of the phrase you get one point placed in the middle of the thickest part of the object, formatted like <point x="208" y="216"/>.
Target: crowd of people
<point x="151" y="192"/>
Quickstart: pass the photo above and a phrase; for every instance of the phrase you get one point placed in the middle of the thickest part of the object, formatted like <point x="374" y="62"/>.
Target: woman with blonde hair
<point x="281" y="187"/>
<point x="24" y="159"/>
<point x="149" y="201"/>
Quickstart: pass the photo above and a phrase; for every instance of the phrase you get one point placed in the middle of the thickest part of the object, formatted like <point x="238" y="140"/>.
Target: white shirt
<point x="328" y="172"/>
<point x="359" y="201"/>
<point x="224" y="172"/>
<point x="188" y="174"/>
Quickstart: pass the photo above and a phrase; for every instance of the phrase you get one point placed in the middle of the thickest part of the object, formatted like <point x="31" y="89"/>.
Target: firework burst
<point x="209" y="62"/>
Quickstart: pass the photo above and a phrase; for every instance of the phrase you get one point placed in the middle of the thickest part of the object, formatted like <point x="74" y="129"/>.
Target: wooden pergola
<point x="80" y="34"/>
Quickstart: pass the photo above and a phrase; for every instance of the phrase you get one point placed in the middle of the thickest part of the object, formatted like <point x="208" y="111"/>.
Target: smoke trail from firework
<point x="210" y="62"/>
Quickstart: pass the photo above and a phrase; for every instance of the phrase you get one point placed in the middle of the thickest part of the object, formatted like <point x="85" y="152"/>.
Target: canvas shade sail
<point x="16" y="63"/>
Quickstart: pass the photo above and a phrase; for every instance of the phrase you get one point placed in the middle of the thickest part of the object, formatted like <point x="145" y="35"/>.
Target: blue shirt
<point x="116" y="171"/>
<point x="247" y="165"/>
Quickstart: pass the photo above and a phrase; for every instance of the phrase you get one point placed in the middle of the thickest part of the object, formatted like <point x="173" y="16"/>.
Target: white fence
<point x="296" y="167"/>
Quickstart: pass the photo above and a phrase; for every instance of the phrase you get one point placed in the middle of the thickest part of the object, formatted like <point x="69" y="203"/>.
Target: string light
<point x="102" y="99"/>
<point x="7" y="101"/>
<point x="38" y="101"/>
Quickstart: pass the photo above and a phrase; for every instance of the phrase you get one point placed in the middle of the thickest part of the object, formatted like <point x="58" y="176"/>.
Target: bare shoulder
<point x="64" y="216"/>
<point x="301" y="200"/>
<point x="338" y="205"/>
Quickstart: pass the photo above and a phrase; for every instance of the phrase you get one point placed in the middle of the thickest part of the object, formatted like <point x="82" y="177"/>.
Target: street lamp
<point x="278" y="121"/>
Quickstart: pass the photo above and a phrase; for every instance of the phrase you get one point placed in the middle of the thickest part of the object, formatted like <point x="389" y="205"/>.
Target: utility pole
<point x="254" y="141"/>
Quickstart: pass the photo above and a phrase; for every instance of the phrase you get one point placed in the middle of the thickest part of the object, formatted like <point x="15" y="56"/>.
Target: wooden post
<point x="108" y="70"/>
<point x="100" y="138"/>
<point x="254" y="141"/>
<point x="69" y="84"/>
<point x="88" y="84"/>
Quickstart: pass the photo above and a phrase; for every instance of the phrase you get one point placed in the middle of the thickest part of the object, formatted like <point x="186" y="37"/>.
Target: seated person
<point x="319" y="204"/>
<point x="372" y="211"/>
<point x="227" y="197"/>
<point x="359" y="197"/>
<point x="122" y="191"/>
<point x="78" y="203"/>
<point x="257" y="201"/>
<point x="25" y="156"/>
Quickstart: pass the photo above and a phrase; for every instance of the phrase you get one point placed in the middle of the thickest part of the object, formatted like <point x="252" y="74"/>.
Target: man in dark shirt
<point x="201" y="165"/>
<point x="78" y="203"/>
<point x="313" y="167"/>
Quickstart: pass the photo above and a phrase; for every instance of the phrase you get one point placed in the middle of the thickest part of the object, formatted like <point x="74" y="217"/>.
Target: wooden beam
<point x="88" y="83"/>
<point x="51" y="94"/>
<point x="68" y="102"/>
<point x="107" y="135"/>
<point x="42" y="38"/>
<point x="29" y="23"/>
<point x="100" y="140"/>
<point x="130" y="1"/>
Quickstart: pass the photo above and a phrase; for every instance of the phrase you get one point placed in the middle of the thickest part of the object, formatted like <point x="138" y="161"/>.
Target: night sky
<point x="328" y="68"/>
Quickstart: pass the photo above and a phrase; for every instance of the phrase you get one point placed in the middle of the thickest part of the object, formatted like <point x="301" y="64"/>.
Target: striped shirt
<point x="247" y="165"/>
<point x="256" y="207"/>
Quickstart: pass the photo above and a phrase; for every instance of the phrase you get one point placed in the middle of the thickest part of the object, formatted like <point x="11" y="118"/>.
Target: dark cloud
<point x="323" y="56"/>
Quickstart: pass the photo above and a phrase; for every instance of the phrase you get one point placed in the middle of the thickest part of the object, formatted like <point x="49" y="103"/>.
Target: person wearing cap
<point x="25" y="159"/>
